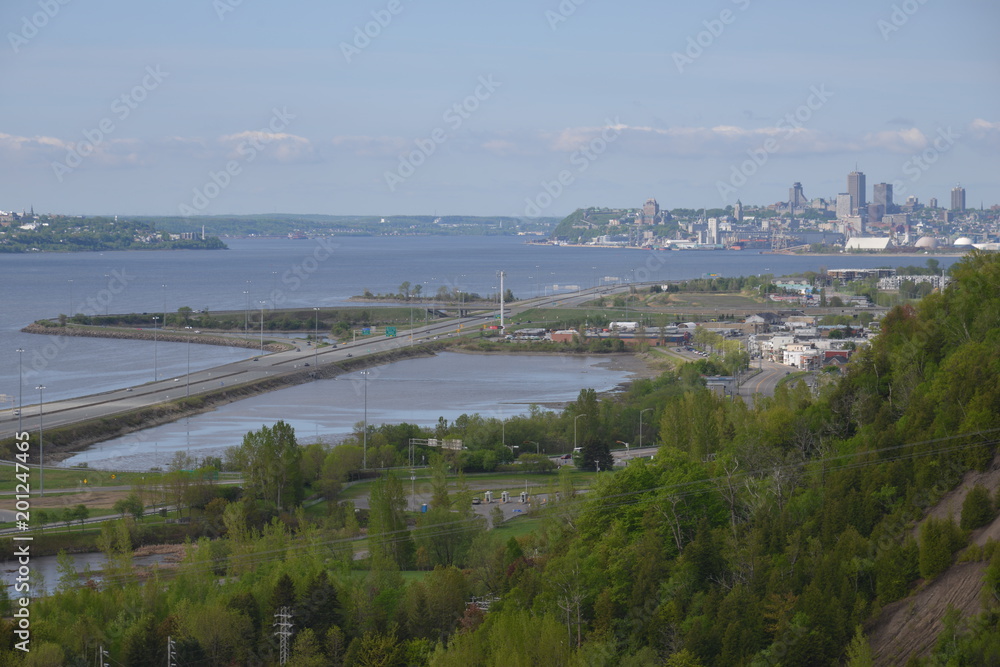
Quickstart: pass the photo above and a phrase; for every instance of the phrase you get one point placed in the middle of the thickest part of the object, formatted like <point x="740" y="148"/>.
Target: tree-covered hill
<point x="79" y="234"/>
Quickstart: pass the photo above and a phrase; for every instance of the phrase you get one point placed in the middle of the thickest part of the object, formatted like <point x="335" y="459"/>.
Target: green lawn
<point x="71" y="478"/>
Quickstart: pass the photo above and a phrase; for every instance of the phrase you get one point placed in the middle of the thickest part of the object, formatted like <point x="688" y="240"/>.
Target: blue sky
<point x="254" y="106"/>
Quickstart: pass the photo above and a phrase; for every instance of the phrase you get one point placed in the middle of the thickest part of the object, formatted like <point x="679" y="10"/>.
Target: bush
<point x="939" y="538"/>
<point x="977" y="509"/>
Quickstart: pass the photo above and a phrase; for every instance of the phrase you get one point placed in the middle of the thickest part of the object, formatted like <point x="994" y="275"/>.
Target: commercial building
<point x="958" y="198"/>
<point x="856" y="188"/>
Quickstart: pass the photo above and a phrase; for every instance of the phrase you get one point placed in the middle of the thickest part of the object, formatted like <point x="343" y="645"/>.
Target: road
<point x="766" y="381"/>
<point x="294" y="361"/>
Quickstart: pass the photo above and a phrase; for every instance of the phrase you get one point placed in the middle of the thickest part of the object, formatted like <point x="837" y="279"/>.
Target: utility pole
<point x="171" y="653"/>
<point x="502" y="275"/>
<point x="101" y="655"/>
<point x="283" y="632"/>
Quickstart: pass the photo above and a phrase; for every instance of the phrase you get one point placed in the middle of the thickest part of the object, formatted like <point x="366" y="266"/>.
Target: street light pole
<point x="41" y="450"/>
<point x="189" y="363"/>
<point x="262" y="304"/>
<point x="20" y="387"/>
<point x="155" y="372"/>
<point x="246" y="315"/>
<point x="364" y="454"/>
<point x="316" y="337"/>
<point x="640" y="424"/>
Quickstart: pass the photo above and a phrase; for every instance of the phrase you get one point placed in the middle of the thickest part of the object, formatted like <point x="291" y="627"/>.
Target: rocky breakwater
<point x="146" y="334"/>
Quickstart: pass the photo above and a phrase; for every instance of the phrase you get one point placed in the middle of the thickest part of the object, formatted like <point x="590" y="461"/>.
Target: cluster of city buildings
<point x="796" y="340"/>
<point x="849" y="221"/>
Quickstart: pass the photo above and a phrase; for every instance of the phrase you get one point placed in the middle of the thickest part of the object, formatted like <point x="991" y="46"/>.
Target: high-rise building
<point x="856" y="188"/>
<point x="932" y="202"/>
<point x="843" y="205"/>
<point x="795" y="197"/>
<point x="882" y="195"/>
<point x="738" y="211"/>
<point x="958" y="198"/>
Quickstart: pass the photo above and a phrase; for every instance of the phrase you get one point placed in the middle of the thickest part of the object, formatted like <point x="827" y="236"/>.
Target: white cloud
<point x="986" y="133"/>
<point x="904" y="141"/>
<point x="279" y="146"/>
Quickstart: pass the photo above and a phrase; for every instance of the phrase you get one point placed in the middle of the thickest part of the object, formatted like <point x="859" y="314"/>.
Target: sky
<point x="520" y="108"/>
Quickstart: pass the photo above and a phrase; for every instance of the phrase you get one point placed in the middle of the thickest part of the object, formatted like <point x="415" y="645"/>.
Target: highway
<point x="295" y="361"/>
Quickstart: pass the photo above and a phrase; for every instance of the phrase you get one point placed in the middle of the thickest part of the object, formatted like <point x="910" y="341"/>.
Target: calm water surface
<point x="417" y="391"/>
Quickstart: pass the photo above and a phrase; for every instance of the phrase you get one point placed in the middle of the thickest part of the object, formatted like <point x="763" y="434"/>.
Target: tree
<point x="389" y="540"/>
<point x="270" y="460"/>
<point x="130" y="505"/>
<point x="938" y="539"/>
<point x="81" y="513"/>
<point x="977" y="508"/>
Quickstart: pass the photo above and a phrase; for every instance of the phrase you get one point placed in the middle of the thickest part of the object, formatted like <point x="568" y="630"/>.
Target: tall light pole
<point x="20" y="387"/>
<point x="189" y="363"/>
<point x="41" y="451"/>
<point x="262" y="304"/>
<point x="640" y="424"/>
<point x="246" y="315"/>
<point x="70" y="313"/>
<point x="164" y="305"/>
<point x="154" y="348"/>
<point x="538" y="448"/>
<point x="364" y="452"/>
<point x="316" y="338"/>
<point x="574" y="430"/>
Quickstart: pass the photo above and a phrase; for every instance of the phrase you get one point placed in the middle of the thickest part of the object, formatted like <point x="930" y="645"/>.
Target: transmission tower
<point x="283" y="632"/>
<point x="171" y="652"/>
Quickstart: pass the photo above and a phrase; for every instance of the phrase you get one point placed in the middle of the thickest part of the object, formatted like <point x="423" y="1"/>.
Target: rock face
<point x="143" y="334"/>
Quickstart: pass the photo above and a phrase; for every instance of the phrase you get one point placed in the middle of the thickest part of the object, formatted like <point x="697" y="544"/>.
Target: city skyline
<point x="394" y="108"/>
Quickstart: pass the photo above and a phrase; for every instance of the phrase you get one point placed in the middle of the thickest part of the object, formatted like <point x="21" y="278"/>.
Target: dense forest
<point x="764" y="533"/>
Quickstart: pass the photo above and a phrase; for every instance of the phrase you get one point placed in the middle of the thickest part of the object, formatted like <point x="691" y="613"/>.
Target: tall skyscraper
<point x="932" y="202"/>
<point x="795" y="197"/>
<point x="843" y="205"/>
<point x="738" y="211"/>
<point x="958" y="198"/>
<point x="856" y="188"/>
<point x="882" y="195"/>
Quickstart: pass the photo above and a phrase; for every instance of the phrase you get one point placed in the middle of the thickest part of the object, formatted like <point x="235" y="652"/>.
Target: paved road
<point x="298" y="360"/>
<point x="766" y="381"/>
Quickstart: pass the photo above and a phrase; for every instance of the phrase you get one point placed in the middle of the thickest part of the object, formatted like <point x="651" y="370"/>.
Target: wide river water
<point x="277" y="273"/>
